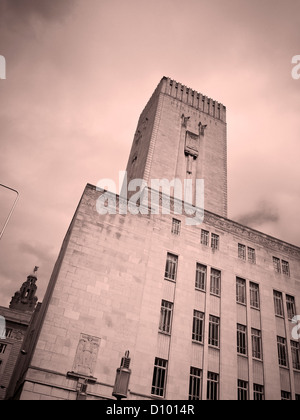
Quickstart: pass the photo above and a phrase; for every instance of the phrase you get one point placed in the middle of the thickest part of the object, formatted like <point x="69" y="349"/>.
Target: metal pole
<point x="11" y="211"/>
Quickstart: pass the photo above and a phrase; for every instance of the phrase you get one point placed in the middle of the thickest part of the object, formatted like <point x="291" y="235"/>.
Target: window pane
<point x="256" y="344"/>
<point x="171" y="267"/>
<point x="212" y="386"/>
<point x="215" y="282"/>
<point x="251" y="255"/>
<point x="242" y="251"/>
<point x="295" y="348"/>
<point x="159" y="377"/>
<point x="258" y="392"/>
<point x="200" y="282"/>
<point x="285" y="396"/>
<point x="276" y="264"/>
<point x="195" y="388"/>
<point x="282" y="353"/>
<point x="240" y="290"/>
<point x="241" y="339"/>
<point x="291" y="307"/>
<point x="214" y="241"/>
<point x="278" y="304"/>
<point x="242" y="390"/>
<point x="254" y="295"/>
<point x="176" y="226"/>
<point x="204" y="237"/>
<point x="285" y="268"/>
<point x="166" y="316"/>
<point x="198" y="326"/>
<point x="214" y="331"/>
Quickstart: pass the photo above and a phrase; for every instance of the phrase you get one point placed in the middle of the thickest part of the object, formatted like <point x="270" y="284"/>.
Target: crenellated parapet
<point x="193" y="98"/>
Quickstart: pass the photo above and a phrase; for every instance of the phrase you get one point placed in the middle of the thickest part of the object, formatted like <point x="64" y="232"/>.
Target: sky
<point x="78" y="75"/>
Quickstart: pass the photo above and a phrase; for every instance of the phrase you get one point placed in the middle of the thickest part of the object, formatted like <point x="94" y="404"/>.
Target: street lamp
<point x="122" y="378"/>
<point x="11" y="211"/>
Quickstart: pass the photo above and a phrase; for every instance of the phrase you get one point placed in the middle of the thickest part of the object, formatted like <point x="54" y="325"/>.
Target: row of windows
<point x="283" y="354"/>
<point x="255" y="299"/>
<point x="195" y="384"/>
<point x="201" y="275"/>
<point x="242" y="342"/>
<point x="244" y="252"/>
<point x="212" y="391"/>
<point x="205" y="234"/>
<point x="215" y="286"/>
<point x="241" y="293"/>
<point x="165" y="324"/>
<point x="278" y="305"/>
<point x="281" y="266"/>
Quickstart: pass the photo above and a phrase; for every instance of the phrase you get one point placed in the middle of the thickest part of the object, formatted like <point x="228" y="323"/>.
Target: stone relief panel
<point x="86" y="355"/>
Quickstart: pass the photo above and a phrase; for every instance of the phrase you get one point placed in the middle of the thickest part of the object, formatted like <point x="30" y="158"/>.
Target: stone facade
<point x="111" y="284"/>
<point x="176" y="296"/>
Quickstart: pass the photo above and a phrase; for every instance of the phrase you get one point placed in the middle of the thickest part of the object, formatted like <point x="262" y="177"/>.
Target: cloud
<point x="265" y="213"/>
<point x="48" y="10"/>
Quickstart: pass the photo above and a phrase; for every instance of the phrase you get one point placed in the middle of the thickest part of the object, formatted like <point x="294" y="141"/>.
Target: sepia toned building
<point x="14" y="323"/>
<point x="206" y="310"/>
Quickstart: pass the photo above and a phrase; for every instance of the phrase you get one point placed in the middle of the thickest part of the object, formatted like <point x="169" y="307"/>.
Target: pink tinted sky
<point x="79" y="73"/>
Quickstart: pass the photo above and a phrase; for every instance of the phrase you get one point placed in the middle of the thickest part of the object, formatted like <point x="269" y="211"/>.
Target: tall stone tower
<point x="182" y="134"/>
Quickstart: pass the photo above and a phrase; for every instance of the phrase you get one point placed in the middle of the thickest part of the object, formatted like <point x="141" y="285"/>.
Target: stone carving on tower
<point x="86" y="355"/>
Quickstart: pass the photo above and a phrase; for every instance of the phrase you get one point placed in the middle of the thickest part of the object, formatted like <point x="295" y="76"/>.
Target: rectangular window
<point x="214" y="331"/>
<point x="176" y="226"/>
<point x="195" y="389"/>
<point x="241" y="339"/>
<point x="258" y="392"/>
<point x="295" y="347"/>
<point x="215" y="282"/>
<point x="240" y="290"/>
<point x="251" y="255"/>
<point x="276" y="264"/>
<point x="212" y="386"/>
<point x="198" y="326"/>
<point x="242" y="252"/>
<point x="166" y="317"/>
<point x="282" y="351"/>
<point x="285" y="396"/>
<point x="285" y="268"/>
<point x="171" y="267"/>
<point x="215" y="241"/>
<point x="159" y="377"/>
<point x="2" y="348"/>
<point x="204" y="237"/>
<point x="242" y="390"/>
<point x="278" y="303"/>
<point x="291" y="307"/>
<point x="8" y="332"/>
<point x="254" y="295"/>
<point x="201" y="273"/>
<point x="256" y="343"/>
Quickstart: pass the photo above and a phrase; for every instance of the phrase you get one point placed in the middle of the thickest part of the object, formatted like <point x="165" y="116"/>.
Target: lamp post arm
<point x="12" y="209"/>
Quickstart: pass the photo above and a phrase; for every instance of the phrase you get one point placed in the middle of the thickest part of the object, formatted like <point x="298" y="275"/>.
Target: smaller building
<point x="15" y="321"/>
